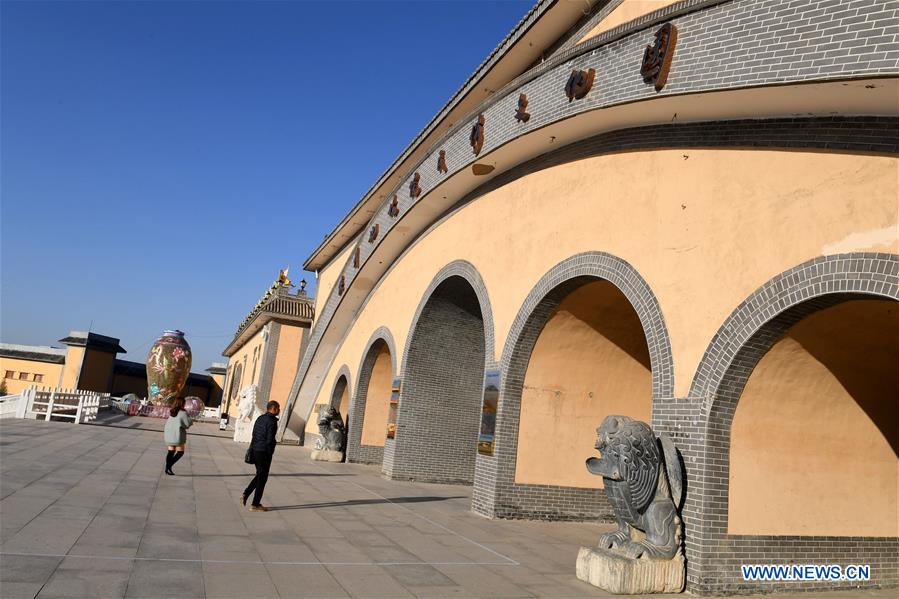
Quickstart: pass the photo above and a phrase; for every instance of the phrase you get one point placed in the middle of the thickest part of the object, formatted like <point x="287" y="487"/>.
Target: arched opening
<point x="440" y="403"/>
<point x="370" y="409"/>
<point x="814" y="438"/>
<point x="340" y="397"/>
<point x="590" y="360"/>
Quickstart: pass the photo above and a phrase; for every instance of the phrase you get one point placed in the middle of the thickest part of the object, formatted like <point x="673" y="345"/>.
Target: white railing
<point x="9" y="404"/>
<point x="80" y="406"/>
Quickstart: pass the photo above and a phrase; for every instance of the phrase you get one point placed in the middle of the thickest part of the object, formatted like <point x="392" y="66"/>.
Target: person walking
<point x="176" y="433"/>
<point x="262" y="446"/>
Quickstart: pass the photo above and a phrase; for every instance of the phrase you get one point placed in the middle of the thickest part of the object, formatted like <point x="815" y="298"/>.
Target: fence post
<point x="80" y="408"/>
<point x="23" y="401"/>
<point x="50" y="405"/>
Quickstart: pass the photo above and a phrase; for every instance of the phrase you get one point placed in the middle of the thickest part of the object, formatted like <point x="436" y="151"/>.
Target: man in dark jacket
<point x="263" y="447"/>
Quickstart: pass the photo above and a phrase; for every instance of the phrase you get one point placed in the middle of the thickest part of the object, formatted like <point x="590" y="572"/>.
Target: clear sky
<point x="160" y="161"/>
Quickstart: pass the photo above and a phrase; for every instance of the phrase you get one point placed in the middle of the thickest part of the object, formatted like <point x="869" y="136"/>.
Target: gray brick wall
<point x="443" y="374"/>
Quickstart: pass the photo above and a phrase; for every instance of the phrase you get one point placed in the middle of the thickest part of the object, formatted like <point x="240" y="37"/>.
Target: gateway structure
<point x="681" y="212"/>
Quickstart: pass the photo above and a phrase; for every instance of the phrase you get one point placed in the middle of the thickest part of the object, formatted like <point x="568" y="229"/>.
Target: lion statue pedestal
<point x="643" y="480"/>
<point x="329" y="446"/>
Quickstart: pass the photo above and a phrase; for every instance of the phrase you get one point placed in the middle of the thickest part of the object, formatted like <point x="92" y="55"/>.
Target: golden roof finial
<point x="283" y="279"/>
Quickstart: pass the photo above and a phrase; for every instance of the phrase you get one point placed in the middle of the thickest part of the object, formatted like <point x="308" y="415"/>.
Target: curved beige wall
<point x="704" y="227"/>
<point x="327" y="276"/>
<point x="811" y="449"/>
<point x="244" y="356"/>
<point x="377" y="401"/>
<point x="590" y="361"/>
<point x="344" y="402"/>
<point x="287" y="356"/>
<point x="625" y="12"/>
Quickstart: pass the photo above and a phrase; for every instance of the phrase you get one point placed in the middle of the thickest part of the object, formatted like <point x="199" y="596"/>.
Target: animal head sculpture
<point x="331" y="429"/>
<point x="643" y="481"/>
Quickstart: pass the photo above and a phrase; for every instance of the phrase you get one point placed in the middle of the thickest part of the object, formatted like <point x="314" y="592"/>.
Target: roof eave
<point x="331" y="246"/>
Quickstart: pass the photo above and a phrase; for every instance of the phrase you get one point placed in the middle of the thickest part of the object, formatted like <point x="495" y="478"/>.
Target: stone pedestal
<point x="624" y="576"/>
<point x="327" y="455"/>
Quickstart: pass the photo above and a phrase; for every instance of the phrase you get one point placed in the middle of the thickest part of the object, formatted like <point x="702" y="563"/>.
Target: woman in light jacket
<point x="176" y="433"/>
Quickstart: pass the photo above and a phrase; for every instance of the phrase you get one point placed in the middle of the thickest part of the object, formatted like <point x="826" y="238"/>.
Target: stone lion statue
<point x="643" y="480"/>
<point x="331" y="429"/>
<point x="248" y="410"/>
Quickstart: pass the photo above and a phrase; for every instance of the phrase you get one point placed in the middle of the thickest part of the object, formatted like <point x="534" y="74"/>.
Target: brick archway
<point x="496" y="493"/>
<point x="743" y="339"/>
<point x="450" y="340"/>
<point x="357" y="451"/>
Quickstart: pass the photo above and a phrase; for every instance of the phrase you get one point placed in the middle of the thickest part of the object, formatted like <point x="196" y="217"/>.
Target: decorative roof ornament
<point x="520" y="113"/>
<point x="658" y="56"/>
<point x="579" y="84"/>
<point x="283" y="279"/>
<point x="394" y="209"/>
<point x="441" y="163"/>
<point x="414" y="186"/>
<point x="476" y="139"/>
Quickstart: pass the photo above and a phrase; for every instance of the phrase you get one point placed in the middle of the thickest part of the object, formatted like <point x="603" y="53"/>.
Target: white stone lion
<point x="248" y="410"/>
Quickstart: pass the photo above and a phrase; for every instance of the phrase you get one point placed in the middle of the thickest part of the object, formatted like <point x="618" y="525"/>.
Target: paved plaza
<point x="87" y="512"/>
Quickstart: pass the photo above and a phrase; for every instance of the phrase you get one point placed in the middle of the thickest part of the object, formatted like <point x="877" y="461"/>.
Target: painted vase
<point x="168" y="365"/>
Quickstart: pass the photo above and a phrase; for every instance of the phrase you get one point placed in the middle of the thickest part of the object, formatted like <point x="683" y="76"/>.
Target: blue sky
<point x="160" y="161"/>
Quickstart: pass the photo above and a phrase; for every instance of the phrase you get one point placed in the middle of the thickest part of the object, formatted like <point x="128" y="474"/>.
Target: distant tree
<point x="3" y="390"/>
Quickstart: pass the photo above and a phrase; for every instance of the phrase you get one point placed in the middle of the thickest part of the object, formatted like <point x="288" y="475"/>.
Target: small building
<point x="89" y="362"/>
<point x="267" y="346"/>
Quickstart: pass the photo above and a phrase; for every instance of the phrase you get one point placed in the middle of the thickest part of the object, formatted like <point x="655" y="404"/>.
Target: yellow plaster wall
<point x="96" y="371"/>
<point x="344" y="402"/>
<point x="327" y="277"/>
<point x="591" y="360"/>
<point x="244" y="356"/>
<point x="286" y="361"/>
<point x="704" y="227"/>
<point x="72" y="370"/>
<point x="625" y="12"/>
<point x="218" y="380"/>
<point x="14" y="386"/>
<point x="377" y="401"/>
<point x="815" y="435"/>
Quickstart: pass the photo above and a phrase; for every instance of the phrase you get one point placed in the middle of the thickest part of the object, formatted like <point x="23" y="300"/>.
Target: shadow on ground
<point x="251" y="473"/>
<point x="306" y="506"/>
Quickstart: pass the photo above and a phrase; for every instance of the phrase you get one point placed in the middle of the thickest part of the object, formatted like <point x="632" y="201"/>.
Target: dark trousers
<point x="263" y="463"/>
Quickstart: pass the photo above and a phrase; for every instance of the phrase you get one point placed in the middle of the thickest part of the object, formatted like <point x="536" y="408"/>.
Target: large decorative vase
<point x="168" y="365"/>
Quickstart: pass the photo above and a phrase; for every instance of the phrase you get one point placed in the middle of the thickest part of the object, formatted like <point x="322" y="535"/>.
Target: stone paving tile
<point x="161" y="579"/>
<point x="237" y="581"/>
<point x="88" y="578"/>
<point x="481" y="582"/>
<point x="305" y="581"/>
<point x="22" y="576"/>
<point x="368" y="581"/>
